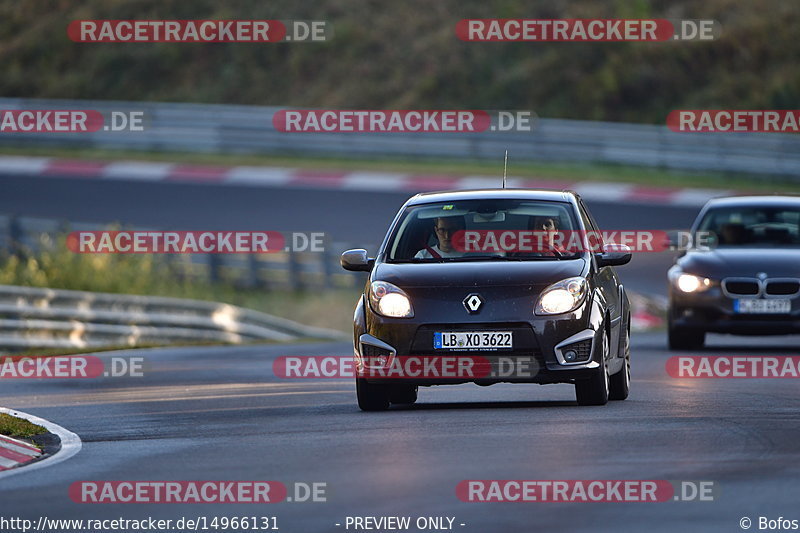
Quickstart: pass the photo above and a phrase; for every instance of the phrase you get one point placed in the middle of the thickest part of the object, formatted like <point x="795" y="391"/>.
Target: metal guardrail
<point x="50" y="318"/>
<point x="248" y="130"/>
<point x="53" y="318"/>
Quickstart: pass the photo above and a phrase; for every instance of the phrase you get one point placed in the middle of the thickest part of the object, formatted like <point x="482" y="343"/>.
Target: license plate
<point x="762" y="307"/>
<point x="472" y="340"/>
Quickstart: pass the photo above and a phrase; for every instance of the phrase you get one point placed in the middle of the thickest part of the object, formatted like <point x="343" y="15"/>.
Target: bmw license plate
<point x="472" y="340"/>
<point x="762" y="307"/>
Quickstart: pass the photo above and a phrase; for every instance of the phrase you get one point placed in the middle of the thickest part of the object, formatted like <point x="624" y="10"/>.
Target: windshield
<point x="753" y="227"/>
<point x="482" y="230"/>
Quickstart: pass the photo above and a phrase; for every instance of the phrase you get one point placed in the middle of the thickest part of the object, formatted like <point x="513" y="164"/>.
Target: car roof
<point x="491" y="194"/>
<point x="756" y="201"/>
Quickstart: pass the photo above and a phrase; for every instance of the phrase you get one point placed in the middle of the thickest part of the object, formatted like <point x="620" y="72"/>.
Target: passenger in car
<point x="444" y="228"/>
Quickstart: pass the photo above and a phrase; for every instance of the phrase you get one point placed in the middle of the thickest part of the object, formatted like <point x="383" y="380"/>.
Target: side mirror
<point x="683" y="240"/>
<point x="613" y="255"/>
<point x="357" y="261"/>
<point x="676" y="239"/>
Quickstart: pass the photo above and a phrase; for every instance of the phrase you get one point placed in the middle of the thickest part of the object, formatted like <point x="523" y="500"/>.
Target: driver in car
<point x="444" y="228"/>
<point x="549" y="226"/>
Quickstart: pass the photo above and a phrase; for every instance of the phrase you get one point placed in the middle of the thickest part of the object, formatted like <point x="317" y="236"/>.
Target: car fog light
<point x="570" y="356"/>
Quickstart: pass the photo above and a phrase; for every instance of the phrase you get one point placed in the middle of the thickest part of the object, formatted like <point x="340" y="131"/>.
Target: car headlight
<point x="692" y="283"/>
<point x="562" y="297"/>
<point x="390" y="300"/>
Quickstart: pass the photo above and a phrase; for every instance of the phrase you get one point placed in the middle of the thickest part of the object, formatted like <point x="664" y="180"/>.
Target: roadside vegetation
<point x="12" y="426"/>
<point x="415" y="59"/>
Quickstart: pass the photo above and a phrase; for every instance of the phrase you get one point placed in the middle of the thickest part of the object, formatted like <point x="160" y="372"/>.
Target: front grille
<point x="582" y="348"/>
<point x="783" y="287"/>
<point x="742" y="287"/>
<point x="368" y="350"/>
<point x="751" y="287"/>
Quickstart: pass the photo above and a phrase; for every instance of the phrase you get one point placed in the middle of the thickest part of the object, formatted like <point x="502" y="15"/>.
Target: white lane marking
<point x="374" y="181"/>
<point x="137" y="170"/>
<point x="70" y="443"/>
<point x="485" y="182"/>
<point x="23" y="165"/>
<point x="264" y="176"/>
<point x="697" y="197"/>
<point x="602" y="191"/>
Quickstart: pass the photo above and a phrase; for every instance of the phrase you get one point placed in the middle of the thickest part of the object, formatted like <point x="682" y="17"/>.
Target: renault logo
<point x="472" y="303"/>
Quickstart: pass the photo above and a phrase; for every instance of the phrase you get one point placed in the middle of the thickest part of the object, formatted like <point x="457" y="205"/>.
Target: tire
<point x="372" y="397"/>
<point x="594" y="391"/>
<point x="619" y="385"/>
<point x="403" y="394"/>
<point x="685" y="339"/>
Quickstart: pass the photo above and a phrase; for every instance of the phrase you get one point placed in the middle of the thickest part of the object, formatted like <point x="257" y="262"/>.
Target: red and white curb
<point x="647" y="312"/>
<point x="17" y="453"/>
<point x="334" y="179"/>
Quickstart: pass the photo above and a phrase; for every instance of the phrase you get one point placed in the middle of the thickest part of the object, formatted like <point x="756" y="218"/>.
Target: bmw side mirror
<point x="613" y="255"/>
<point x="357" y="261"/>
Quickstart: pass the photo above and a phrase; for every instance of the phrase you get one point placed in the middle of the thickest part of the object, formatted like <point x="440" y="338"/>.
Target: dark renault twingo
<point x="501" y="312"/>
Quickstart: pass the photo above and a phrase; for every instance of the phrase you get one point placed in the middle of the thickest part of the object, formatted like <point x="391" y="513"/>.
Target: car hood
<point x="724" y="262"/>
<point x="478" y="274"/>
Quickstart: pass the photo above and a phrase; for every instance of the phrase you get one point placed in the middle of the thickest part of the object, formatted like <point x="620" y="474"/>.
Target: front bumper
<point x="393" y="351"/>
<point x="713" y="311"/>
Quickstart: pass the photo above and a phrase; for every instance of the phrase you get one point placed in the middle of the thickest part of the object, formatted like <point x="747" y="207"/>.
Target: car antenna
<point x="505" y="168"/>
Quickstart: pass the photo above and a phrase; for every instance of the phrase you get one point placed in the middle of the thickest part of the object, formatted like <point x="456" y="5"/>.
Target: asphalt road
<point x="216" y="413"/>
<point x="219" y="414"/>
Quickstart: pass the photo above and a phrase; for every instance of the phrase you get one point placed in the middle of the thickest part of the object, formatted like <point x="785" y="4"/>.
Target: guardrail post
<point x="15" y="234"/>
<point x="214" y="263"/>
<point x="253" y="280"/>
<point x="327" y="265"/>
<point x="294" y="272"/>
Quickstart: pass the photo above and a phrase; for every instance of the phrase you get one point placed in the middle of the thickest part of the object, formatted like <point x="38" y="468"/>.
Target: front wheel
<point x="685" y="339"/>
<point x="403" y="394"/>
<point x="594" y="391"/>
<point x="372" y="397"/>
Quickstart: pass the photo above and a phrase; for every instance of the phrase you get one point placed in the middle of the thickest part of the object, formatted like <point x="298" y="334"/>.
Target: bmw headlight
<point x="691" y="283"/>
<point x="389" y="300"/>
<point x="562" y="297"/>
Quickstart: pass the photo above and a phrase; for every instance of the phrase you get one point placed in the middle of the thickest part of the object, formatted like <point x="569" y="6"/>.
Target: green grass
<point x="12" y="426"/>
<point x="566" y="172"/>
